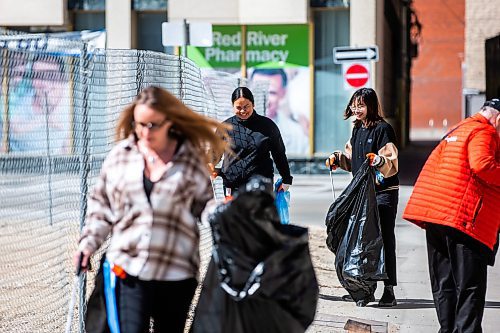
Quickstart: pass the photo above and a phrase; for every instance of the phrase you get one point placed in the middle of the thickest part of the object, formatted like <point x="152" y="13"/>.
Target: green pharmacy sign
<point x="267" y="46"/>
<point x="225" y="52"/>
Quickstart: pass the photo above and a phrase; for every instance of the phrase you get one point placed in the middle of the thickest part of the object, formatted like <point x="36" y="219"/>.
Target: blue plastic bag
<point x="282" y="202"/>
<point x="109" y="291"/>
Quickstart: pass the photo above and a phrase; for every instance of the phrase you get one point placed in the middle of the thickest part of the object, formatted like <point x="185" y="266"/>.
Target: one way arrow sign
<point x="345" y="53"/>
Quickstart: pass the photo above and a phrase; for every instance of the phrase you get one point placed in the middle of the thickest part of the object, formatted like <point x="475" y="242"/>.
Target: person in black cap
<point x="455" y="199"/>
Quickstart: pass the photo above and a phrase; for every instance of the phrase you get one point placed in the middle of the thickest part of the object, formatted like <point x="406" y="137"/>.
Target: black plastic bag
<point x="260" y="277"/>
<point x="96" y="320"/>
<point x="354" y="235"/>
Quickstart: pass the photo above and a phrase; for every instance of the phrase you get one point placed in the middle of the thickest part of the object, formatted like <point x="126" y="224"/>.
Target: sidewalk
<point x="311" y="197"/>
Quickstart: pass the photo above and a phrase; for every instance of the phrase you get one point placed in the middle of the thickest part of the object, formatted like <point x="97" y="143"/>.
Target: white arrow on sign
<point x="344" y="54"/>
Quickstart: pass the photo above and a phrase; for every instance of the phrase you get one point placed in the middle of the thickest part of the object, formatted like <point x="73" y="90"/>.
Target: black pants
<point x="167" y="302"/>
<point x="387" y="208"/>
<point x="458" y="275"/>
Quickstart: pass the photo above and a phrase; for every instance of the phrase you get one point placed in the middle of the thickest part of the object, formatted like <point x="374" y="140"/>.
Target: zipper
<point x="476" y="211"/>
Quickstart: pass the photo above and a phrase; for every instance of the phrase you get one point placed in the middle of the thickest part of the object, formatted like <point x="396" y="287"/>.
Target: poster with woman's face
<point x="36" y="111"/>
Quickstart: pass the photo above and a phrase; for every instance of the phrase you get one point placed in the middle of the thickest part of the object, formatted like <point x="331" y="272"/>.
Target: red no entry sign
<point x="357" y="75"/>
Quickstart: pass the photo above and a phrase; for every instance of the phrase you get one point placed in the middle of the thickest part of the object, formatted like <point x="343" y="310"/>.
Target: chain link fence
<point x="59" y="104"/>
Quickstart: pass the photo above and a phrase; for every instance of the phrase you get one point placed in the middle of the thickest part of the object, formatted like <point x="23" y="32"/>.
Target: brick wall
<point x="436" y="94"/>
<point x="483" y="22"/>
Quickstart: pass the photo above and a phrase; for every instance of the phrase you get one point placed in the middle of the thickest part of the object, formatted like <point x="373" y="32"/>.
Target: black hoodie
<point x="253" y="142"/>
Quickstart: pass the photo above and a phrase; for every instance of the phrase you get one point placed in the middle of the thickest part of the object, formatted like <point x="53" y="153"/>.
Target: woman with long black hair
<point x="374" y="138"/>
<point x="254" y="140"/>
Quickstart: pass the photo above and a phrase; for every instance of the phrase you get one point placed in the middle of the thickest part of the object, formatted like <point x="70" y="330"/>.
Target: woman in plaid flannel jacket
<point x="152" y="189"/>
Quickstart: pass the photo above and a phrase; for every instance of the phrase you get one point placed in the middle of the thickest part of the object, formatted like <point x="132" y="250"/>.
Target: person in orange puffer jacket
<point x="455" y="200"/>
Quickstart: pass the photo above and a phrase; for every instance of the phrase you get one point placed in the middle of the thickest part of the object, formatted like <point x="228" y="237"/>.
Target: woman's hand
<point x="284" y="187"/>
<point x="332" y="161"/>
<point x="214" y="172"/>
<point x="81" y="261"/>
<point x="375" y="160"/>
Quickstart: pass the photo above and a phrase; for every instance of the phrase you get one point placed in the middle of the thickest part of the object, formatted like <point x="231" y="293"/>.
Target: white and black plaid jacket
<point x="156" y="240"/>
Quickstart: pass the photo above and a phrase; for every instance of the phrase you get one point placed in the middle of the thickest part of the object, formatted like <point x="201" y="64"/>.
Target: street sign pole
<point x="186" y="38"/>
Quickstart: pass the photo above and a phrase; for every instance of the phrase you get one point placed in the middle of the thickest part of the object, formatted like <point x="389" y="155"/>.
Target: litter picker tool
<point x="71" y="307"/>
<point x="331" y="181"/>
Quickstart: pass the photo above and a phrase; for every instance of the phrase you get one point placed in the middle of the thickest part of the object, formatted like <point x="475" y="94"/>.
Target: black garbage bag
<point x="354" y="235"/>
<point x="260" y="277"/>
<point x="96" y="320"/>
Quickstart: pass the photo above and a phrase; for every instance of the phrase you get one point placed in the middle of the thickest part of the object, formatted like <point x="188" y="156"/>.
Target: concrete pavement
<point x="311" y="197"/>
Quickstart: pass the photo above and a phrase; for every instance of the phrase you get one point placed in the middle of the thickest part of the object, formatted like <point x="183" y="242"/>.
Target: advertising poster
<point x="37" y="107"/>
<point x="278" y="56"/>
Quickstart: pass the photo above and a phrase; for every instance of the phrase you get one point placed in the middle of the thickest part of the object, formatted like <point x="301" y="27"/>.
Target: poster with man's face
<point x="287" y="104"/>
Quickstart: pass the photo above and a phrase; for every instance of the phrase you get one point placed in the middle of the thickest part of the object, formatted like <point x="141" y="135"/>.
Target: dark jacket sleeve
<point x="279" y="155"/>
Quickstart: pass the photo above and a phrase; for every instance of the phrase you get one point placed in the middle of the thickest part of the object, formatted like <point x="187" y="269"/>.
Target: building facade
<point x="305" y="31"/>
<point x="449" y="76"/>
<point x="482" y="24"/>
<point x="436" y="98"/>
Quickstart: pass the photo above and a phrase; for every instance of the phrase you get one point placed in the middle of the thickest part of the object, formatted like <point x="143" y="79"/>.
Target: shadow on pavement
<point x="406" y="304"/>
<point x="331" y="298"/>
<point x="403" y="304"/>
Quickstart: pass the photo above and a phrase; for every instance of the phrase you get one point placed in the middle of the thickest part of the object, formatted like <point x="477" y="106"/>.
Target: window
<point x="87" y="4"/>
<point x="149" y="4"/>
<point x="330" y="96"/>
<point x="329" y="3"/>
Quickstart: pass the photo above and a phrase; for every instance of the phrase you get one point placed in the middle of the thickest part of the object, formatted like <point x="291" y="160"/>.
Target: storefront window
<point x="330" y="3"/>
<point x="149" y="30"/>
<point x="150" y="4"/>
<point x="89" y="21"/>
<point x="331" y="131"/>
<point x="87" y="4"/>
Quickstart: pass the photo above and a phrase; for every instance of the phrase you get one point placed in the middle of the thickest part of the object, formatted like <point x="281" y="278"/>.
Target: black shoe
<point x="388" y="299"/>
<point x="364" y="302"/>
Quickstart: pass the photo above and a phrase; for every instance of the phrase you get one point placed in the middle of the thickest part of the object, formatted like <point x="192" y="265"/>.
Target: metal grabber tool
<point x="72" y="300"/>
<point x="331" y="181"/>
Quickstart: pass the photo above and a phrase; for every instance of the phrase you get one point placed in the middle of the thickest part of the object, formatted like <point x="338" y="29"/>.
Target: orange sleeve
<point x="484" y="156"/>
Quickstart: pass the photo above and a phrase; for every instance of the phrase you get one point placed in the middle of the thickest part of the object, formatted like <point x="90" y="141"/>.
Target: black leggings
<point x="167" y="302"/>
<point x="387" y="203"/>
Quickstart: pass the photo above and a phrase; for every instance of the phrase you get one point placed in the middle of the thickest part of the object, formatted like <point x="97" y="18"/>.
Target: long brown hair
<point x="187" y="124"/>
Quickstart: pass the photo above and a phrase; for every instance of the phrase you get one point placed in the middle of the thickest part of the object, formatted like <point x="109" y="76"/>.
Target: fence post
<point x="181" y="79"/>
<point x="49" y="157"/>
<point x="84" y="158"/>
<point x="139" y="72"/>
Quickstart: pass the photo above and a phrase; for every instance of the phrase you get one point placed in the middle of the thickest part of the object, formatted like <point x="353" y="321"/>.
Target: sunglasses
<point x="150" y="126"/>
